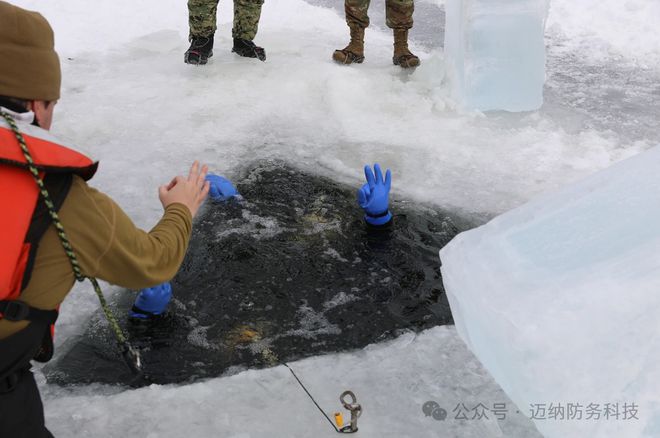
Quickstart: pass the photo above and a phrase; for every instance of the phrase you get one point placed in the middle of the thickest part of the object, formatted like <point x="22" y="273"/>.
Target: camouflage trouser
<point x="399" y="13"/>
<point x="202" y="13"/>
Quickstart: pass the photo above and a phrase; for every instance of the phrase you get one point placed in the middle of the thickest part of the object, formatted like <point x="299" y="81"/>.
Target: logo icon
<point x="440" y="414"/>
<point x="433" y="409"/>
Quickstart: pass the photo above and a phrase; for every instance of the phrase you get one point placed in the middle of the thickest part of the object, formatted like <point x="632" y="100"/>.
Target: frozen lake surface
<point x="129" y="99"/>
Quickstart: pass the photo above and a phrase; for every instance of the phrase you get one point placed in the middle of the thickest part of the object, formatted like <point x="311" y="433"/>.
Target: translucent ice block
<point x="560" y="300"/>
<point x="495" y="53"/>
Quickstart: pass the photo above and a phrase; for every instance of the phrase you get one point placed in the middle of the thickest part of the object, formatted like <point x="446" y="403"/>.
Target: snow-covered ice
<point x="558" y="299"/>
<point x="392" y="382"/>
<point x="130" y="100"/>
<point x="495" y="53"/>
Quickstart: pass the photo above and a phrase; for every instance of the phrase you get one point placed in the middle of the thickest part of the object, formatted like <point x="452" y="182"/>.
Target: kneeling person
<point x="56" y="228"/>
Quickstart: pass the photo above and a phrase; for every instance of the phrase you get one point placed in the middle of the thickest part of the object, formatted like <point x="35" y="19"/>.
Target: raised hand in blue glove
<point x="221" y="188"/>
<point x="151" y="301"/>
<point x="373" y="197"/>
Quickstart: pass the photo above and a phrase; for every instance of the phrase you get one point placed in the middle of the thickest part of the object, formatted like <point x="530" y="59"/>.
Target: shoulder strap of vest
<point x="58" y="186"/>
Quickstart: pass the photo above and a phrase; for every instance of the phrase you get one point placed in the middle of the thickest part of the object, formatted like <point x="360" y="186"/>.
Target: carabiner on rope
<point x="354" y="408"/>
<point x="133" y="360"/>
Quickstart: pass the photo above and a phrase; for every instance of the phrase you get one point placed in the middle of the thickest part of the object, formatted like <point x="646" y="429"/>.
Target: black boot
<point x="201" y="49"/>
<point x="248" y="49"/>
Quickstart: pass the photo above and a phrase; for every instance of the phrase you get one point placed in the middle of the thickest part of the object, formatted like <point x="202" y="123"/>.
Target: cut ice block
<point x="560" y="300"/>
<point x="495" y="53"/>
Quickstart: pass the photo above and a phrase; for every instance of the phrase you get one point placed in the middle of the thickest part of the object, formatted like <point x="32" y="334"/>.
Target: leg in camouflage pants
<point x="399" y="17"/>
<point x="202" y="18"/>
<point x="399" y="13"/>
<point x="246" y="18"/>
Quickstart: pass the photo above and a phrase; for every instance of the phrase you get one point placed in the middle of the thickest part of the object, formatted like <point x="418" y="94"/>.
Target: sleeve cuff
<point x="379" y="221"/>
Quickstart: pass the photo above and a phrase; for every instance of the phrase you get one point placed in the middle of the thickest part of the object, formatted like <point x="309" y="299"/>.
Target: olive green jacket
<point x="108" y="246"/>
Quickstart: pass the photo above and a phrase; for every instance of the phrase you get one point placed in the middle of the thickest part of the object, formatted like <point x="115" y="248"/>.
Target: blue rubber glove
<point x="151" y="301"/>
<point x="373" y="197"/>
<point x="221" y="188"/>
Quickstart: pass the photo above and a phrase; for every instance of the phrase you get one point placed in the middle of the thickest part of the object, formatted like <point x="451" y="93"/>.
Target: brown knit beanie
<point x="29" y="66"/>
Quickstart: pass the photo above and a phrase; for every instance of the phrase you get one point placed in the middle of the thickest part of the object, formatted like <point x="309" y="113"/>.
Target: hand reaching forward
<point x="191" y="191"/>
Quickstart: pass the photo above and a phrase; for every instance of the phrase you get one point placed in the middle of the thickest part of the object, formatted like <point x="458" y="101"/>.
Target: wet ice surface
<point x="292" y="267"/>
<point x="620" y="97"/>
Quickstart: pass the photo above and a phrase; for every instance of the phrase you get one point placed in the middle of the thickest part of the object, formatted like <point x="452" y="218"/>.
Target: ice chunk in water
<point x="559" y="300"/>
<point x="495" y="53"/>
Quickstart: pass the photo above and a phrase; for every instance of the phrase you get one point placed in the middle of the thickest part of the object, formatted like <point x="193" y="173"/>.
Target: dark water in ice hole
<point x="293" y="268"/>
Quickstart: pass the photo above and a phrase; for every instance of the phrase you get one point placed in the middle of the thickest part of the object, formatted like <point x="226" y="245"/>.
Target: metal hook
<point x="355" y="409"/>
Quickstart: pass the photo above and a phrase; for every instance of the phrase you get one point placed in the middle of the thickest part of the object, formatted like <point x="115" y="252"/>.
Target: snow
<point x="298" y="106"/>
<point x="130" y="100"/>
<point x="558" y="298"/>
<point x="610" y="28"/>
<point x="495" y="53"/>
<point x="392" y="381"/>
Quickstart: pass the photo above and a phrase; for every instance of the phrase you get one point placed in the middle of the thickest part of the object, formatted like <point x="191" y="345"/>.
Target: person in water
<point x="373" y="198"/>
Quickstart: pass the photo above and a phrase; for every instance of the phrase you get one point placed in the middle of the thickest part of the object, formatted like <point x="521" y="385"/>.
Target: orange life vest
<point x="22" y="224"/>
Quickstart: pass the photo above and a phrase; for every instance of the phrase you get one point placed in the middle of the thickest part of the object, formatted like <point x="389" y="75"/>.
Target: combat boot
<point x="201" y="49"/>
<point x="354" y="52"/>
<point x="248" y="49"/>
<point x="402" y="55"/>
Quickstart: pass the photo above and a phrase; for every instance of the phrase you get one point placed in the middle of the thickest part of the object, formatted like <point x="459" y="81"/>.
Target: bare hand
<point x="191" y="191"/>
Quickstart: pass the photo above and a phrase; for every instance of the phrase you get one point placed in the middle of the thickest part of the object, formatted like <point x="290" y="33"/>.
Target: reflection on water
<point x="292" y="268"/>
